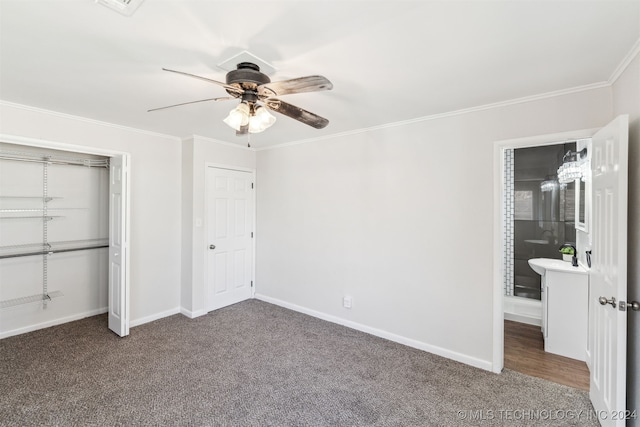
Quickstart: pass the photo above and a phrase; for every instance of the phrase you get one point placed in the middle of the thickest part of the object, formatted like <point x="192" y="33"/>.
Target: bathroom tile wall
<point x="507" y="218"/>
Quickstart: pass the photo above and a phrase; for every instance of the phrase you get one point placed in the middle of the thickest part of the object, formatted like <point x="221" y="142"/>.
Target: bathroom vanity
<point x="565" y="305"/>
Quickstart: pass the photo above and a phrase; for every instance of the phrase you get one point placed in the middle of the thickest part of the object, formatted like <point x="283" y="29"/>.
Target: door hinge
<point x="252" y="234"/>
<point x="252" y="283"/>
<point x="252" y="185"/>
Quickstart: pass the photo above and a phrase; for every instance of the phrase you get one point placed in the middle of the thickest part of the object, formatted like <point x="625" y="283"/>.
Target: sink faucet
<point x="574" y="258"/>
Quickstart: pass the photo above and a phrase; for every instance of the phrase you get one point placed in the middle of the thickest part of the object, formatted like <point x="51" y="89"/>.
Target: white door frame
<point x="41" y="143"/>
<point x="205" y="283"/>
<point x="498" y="226"/>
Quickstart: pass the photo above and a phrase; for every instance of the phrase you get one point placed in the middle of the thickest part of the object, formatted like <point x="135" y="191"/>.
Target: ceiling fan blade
<point x="297" y="113"/>
<point x="224" y="85"/>
<point x="224" y="98"/>
<point x="299" y="85"/>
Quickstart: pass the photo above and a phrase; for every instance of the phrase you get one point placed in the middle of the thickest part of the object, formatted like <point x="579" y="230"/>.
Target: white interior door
<point x="230" y="213"/>
<point x="608" y="274"/>
<point x="118" y="247"/>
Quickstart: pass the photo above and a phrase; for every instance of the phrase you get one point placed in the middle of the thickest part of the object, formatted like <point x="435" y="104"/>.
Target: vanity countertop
<point x="541" y="265"/>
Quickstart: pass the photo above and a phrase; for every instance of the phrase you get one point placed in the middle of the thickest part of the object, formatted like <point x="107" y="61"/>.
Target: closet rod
<point x="78" y="162"/>
<point x="53" y="251"/>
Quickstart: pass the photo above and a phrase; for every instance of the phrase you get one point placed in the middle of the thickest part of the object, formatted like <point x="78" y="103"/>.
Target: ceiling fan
<point x="257" y="94"/>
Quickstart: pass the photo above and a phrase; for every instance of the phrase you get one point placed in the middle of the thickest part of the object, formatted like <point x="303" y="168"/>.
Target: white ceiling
<point x="389" y="61"/>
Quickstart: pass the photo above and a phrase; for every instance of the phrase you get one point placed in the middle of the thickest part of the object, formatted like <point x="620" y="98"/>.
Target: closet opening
<point x="63" y="236"/>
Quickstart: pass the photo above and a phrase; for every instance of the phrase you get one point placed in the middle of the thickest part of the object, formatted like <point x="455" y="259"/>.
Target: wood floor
<point x="524" y="352"/>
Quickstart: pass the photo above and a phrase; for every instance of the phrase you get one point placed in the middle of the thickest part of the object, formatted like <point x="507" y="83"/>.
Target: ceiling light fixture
<point x="572" y="166"/>
<point x="257" y="94"/>
<point x="238" y="117"/>
<point x="260" y="120"/>
<point x="256" y="117"/>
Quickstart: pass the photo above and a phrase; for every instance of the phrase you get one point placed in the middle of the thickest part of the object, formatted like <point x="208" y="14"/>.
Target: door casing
<point x="499" y="147"/>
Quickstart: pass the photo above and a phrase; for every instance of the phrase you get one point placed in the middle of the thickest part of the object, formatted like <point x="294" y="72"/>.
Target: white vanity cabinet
<point x="565" y="313"/>
<point x="565" y="307"/>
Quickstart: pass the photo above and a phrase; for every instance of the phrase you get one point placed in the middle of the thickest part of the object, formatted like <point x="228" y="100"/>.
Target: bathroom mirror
<point x="581" y="214"/>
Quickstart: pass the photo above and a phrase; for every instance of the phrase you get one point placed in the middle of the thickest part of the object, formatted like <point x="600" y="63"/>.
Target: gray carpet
<point x="256" y="364"/>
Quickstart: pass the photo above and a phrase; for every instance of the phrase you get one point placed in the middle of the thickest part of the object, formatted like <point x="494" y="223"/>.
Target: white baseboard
<point x="132" y="323"/>
<point x="192" y="314"/>
<point x="155" y="316"/>
<point x="523" y="310"/>
<point x="53" y="322"/>
<point x="523" y="319"/>
<point x="458" y="357"/>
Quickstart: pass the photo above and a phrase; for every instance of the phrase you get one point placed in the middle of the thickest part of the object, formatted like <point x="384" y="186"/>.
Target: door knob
<point x="629" y="305"/>
<point x="212" y="247"/>
<point x="605" y="301"/>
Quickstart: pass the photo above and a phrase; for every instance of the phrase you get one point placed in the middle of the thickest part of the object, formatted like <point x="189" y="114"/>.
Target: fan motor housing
<point x="247" y="72"/>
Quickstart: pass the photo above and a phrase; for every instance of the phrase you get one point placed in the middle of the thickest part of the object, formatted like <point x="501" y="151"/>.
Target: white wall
<point x="401" y="219"/>
<point x="198" y="153"/>
<point x="155" y="198"/>
<point x="626" y="100"/>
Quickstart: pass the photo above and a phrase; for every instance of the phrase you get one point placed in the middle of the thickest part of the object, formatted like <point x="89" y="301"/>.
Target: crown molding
<point x="635" y="50"/>
<point x="622" y="66"/>
<point x="86" y="120"/>
<point x="463" y="111"/>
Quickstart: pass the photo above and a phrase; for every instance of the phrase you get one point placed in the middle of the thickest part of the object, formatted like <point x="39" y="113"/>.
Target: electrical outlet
<point x="346" y="301"/>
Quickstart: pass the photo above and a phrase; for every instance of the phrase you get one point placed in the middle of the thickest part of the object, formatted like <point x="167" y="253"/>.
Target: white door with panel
<point x="608" y="274"/>
<point x="118" y="246"/>
<point x="230" y="217"/>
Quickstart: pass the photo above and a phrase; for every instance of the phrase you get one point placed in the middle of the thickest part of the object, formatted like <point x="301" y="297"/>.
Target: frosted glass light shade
<point x="261" y="120"/>
<point x="238" y="117"/>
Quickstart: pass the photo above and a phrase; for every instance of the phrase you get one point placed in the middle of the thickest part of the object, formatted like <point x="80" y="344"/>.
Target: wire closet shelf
<point x="43" y="248"/>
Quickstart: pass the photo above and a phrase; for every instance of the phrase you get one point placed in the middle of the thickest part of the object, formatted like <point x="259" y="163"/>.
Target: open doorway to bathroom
<point x="539" y="217"/>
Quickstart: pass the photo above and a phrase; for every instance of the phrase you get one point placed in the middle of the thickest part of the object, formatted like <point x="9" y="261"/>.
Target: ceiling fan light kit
<point x="238" y="117"/>
<point x="260" y="120"/>
<point x="256" y="117"/>
<point x="257" y="95"/>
